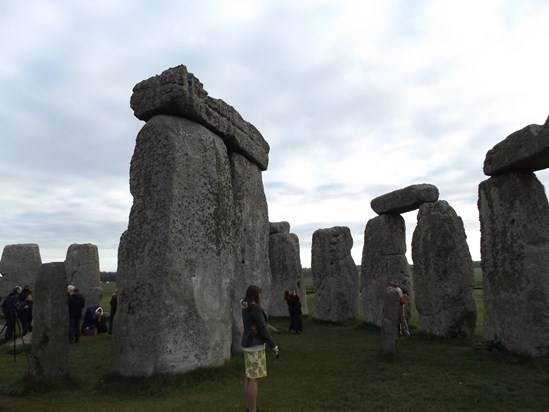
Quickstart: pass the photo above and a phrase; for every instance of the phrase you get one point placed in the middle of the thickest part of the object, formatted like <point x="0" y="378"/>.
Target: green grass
<point x="328" y="368"/>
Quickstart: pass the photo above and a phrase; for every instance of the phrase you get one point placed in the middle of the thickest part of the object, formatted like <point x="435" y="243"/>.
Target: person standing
<point x="254" y="338"/>
<point x="9" y="308"/>
<point x="294" y="307"/>
<point x="25" y="314"/>
<point x="402" y="323"/>
<point x="114" y="304"/>
<point x="76" y="305"/>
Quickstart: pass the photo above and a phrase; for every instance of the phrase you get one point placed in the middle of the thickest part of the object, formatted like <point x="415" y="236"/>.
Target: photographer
<point x="9" y="308"/>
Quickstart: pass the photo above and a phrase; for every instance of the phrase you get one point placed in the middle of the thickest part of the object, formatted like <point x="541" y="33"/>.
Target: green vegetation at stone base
<point x="327" y="368"/>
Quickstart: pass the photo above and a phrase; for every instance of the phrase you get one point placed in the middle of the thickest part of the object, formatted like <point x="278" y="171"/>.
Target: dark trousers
<point x="111" y="321"/>
<point x="10" y="327"/>
<point x="74" y="329"/>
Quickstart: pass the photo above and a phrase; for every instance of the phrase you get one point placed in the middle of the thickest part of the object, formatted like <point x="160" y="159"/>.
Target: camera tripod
<point x="17" y="325"/>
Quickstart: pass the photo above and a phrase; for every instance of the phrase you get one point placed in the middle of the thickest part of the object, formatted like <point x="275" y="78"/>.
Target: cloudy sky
<point x="355" y="97"/>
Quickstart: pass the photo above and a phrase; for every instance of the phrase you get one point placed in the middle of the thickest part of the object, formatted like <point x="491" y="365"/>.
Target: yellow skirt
<point x="255" y="362"/>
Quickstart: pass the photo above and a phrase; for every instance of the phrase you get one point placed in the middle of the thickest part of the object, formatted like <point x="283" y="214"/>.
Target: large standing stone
<point x="286" y="270"/>
<point x="383" y="260"/>
<point x="443" y="273"/>
<point x="335" y="275"/>
<point x="389" y="322"/>
<point x="177" y="92"/>
<point x="82" y="267"/>
<point x="526" y="149"/>
<point x="514" y="224"/>
<point x="19" y="267"/>
<point x="50" y="345"/>
<point x="176" y="260"/>
<point x="405" y="200"/>
<point x="252" y="234"/>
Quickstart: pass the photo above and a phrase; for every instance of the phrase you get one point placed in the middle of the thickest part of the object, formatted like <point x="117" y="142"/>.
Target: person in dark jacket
<point x="254" y="338"/>
<point x="76" y="305"/>
<point x="114" y="305"/>
<point x="25" y="314"/>
<point x="294" y="307"/>
<point x="9" y="308"/>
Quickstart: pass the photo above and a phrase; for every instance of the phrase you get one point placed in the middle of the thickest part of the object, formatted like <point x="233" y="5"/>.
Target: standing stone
<point x="19" y="267"/>
<point x="514" y="225"/>
<point x="176" y="260"/>
<point x="443" y="273"/>
<point x="50" y="344"/>
<point x="335" y="275"/>
<point x="252" y="238"/>
<point x="286" y="270"/>
<point x="82" y="267"/>
<point x="389" y="322"/>
<point x="383" y="260"/>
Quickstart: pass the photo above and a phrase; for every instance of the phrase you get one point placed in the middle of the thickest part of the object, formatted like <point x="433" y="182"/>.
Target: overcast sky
<point x="356" y="99"/>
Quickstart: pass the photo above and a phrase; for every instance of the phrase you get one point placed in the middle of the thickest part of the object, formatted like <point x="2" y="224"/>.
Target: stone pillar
<point x="176" y="260"/>
<point x="514" y="224"/>
<point x="50" y="342"/>
<point x="384" y="259"/>
<point x="252" y="238"/>
<point x="19" y="267"/>
<point x="82" y="267"/>
<point x="443" y="273"/>
<point x="389" y="321"/>
<point x="335" y="275"/>
<point x="285" y="268"/>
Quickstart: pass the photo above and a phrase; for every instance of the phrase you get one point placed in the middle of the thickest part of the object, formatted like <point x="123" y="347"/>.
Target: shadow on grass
<point x="29" y="385"/>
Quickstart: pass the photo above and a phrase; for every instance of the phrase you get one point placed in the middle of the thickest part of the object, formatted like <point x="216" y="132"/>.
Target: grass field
<point x="328" y="368"/>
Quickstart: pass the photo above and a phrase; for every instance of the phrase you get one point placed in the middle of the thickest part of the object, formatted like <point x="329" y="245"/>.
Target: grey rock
<point x="177" y="92"/>
<point x="50" y="344"/>
<point x="335" y="276"/>
<point x="384" y="259"/>
<point x="82" y="267"/>
<point x="443" y="273"/>
<point x="252" y="235"/>
<point x="526" y="149"/>
<point x="176" y="259"/>
<point x="279" y="227"/>
<point x="19" y="266"/>
<point x="514" y="225"/>
<point x="405" y="200"/>
<point x="286" y="271"/>
<point x="389" y="323"/>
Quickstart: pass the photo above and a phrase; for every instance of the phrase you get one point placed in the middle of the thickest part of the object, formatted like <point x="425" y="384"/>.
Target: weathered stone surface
<point x="19" y="266"/>
<point x="526" y="149"/>
<point x="50" y="345"/>
<point x="443" y="273"/>
<point x="286" y="271"/>
<point x="177" y="92"/>
<point x="82" y="267"/>
<point x="389" y="322"/>
<point x="514" y="224"/>
<point x="176" y="260"/>
<point x="279" y="227"/>
<point x="384" y="259"/>
<point x="405" y="200"/>
<point x="252" y="234"/>
<point x="335" y="275"/>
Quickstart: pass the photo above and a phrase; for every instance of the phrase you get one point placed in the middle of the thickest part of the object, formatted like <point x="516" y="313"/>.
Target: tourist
<point x="114" y="304"/>
<point x="294" y="307"/>
<point x="402" y="323"/>
<point x="254" y="337"/>
<point x="9" y="308"/>
<point x="76" y="305"/>
<point x="25" y="314"/>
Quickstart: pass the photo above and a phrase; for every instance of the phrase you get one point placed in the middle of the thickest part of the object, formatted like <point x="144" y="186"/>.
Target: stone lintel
<point x="405" y="200"/>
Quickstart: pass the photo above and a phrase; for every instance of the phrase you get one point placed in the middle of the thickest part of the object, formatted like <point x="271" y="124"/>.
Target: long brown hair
<point x="252" y="295"/>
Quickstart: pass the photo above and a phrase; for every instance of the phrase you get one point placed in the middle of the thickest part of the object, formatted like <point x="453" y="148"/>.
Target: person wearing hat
<point x="402" y="323"/>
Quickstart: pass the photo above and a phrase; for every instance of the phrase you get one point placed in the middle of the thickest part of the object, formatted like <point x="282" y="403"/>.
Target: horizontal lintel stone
<point x="405" y="200"/>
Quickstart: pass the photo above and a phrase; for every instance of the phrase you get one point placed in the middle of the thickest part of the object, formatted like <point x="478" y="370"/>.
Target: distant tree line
<point x="108" y="276"/>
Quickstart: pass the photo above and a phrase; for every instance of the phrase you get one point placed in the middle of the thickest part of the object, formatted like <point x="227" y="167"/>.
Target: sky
<point x="356" y="98"/>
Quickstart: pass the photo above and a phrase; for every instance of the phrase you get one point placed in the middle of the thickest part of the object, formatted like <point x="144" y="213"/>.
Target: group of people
<point x="17" y="306"/>
<point x="94" y="321"/>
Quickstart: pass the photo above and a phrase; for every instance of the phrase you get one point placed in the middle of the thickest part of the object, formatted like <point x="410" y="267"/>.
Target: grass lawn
<point x="328" y="368"/>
